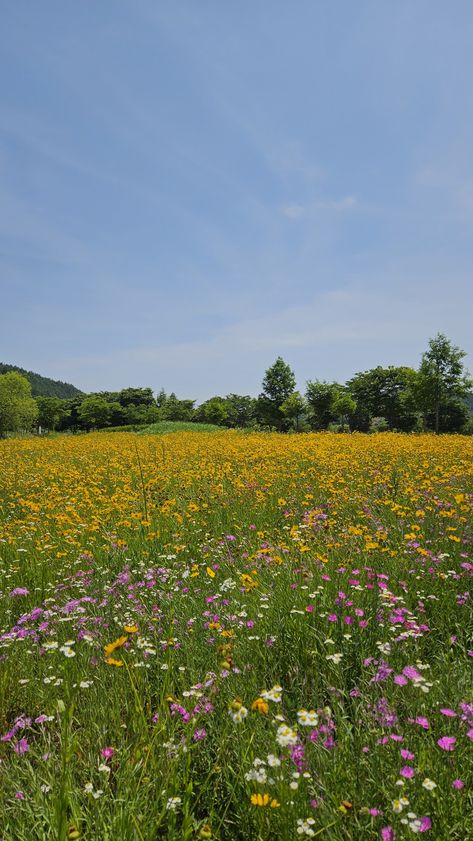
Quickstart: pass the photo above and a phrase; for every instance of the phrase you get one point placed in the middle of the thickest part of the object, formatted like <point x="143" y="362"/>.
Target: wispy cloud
<point x="296" y="209"/>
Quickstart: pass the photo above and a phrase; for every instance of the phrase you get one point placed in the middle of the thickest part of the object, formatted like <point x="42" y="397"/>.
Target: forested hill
<point x="43" y="386"/>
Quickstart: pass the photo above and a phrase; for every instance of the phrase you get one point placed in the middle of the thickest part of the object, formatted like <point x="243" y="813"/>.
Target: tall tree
<point x="321" y="398"/>
<point x="18" y="409"/>
<point x="442" y="380"/>
<point x="278" y="384"/>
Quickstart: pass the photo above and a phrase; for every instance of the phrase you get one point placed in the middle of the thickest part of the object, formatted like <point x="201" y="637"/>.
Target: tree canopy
<point x="18" y="409"/>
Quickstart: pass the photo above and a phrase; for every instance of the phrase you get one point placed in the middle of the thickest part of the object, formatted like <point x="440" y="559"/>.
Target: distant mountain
<point x="43" y="386"/>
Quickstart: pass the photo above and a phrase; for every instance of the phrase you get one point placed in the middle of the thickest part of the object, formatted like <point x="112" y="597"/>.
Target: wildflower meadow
<point x="236" y="636"/>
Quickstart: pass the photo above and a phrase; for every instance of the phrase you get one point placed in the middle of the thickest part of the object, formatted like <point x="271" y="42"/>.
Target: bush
<point x="379" y="425"/>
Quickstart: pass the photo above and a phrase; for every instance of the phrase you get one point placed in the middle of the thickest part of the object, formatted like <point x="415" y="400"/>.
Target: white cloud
<point x="296" y="209"/>
<point x="330" y="336"/>
<point x="293" y="211"/>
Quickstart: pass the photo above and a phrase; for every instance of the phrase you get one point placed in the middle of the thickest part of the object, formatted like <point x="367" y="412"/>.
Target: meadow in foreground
<point x="236" y="637"/>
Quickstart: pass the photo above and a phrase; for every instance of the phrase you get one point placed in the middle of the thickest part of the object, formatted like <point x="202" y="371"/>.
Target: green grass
<point x="164" y="427"/>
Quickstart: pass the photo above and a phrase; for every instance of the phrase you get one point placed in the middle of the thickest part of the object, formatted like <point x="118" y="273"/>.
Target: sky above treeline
<point x="190" y="189"/>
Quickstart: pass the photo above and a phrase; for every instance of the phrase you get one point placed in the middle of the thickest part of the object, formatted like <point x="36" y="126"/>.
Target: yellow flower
<point x="264" y="800"/>
<point x="130" y="629"/>
<point x="110" y="648"/>
<point x="210" y="572"/>
<point x="260" y="706"/>
<point x="112" y="662"/>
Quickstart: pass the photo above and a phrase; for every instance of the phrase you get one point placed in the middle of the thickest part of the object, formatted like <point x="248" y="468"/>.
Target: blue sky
<point x="190" y="189"/>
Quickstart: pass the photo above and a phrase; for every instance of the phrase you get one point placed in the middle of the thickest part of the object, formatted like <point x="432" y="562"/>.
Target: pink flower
<point x="425" y="824"/>
<point x="447" y="743"/>
<point x="19" y="795"/>
<point x="406" y="754"/>
<point x="407" y="772"/>
<point x="400" y="680"/>
<point x="458" y="784"/>
<point x="388" y="833"/>
<point x="470" y="734"/>
<point x="199" y="735"/>
<point x="22" y="746"/>
<point x="424" y="722"/>
<point x="448" y="712"/>
<point x="412" y="673"/>
<point x="107" y="753"/>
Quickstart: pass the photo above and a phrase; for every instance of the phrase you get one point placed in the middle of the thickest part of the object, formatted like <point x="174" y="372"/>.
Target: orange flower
<point x="260" y="706"/>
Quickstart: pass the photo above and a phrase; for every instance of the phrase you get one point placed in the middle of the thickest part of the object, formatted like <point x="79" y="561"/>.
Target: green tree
<point x="18" y="409"/>
<point x="140" y="413"/>
<point x="293" y="408"/>
<point x="321" y="397"/>
<point x="442" y="384"/>
<point x="213" y="410"/>
<point x="51" y="411"/>
<point x="161" y="398"/>
<point x="384" y="393"/>
<point x="344" y="407"/>
<point x="95" y="412"/>
<point x="278" y="383"/>
<point x="241" y="410"/>
<point x="177" y="410"/>
<point x="136" y="397"/>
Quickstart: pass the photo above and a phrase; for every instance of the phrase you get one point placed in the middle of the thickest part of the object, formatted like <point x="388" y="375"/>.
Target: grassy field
<point x="165" y="427"/>
<point x="236" y="637"/>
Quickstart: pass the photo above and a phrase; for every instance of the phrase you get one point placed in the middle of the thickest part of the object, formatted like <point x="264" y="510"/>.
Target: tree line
<point x="435" y="397"/>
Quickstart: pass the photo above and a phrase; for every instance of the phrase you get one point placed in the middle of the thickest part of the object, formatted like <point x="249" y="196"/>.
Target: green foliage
<point x="387" y="393"/>
<point x="51" y="411"/>
<point x="140" y="413"/>
<point x="164" y="427"/>
<point x="18" y="409"/>
<point x="174" y="409"/>
<point x="43" y="386"/>
<point x="213" y="411"/>
<point x="278" y="384"/>
<point x="344" y="407"/>
<point x="442" y="385"/>
<point x="136" y="397"/>
<point x="95" y="412"/>
<point x="321" y="397"/>
<point x="241" y="409"/>
<point x="293" y="408"/>
<point x="379" y="425"/>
